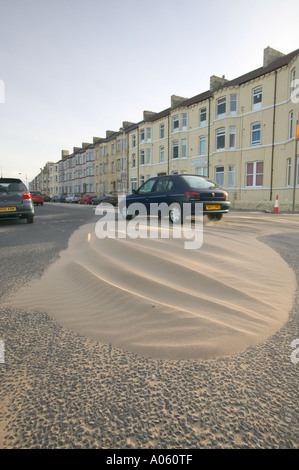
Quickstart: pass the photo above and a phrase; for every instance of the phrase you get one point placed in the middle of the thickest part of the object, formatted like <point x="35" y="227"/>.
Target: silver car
<point x="15" y="200"/>
<point x="73" y="198"/>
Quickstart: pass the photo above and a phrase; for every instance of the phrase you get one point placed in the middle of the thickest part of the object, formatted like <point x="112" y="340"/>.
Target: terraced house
<point x="240" y="133"/>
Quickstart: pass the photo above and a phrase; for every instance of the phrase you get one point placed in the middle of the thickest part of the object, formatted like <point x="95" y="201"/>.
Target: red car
<point x="86" y="199"/>
<point x="37" y="197"/>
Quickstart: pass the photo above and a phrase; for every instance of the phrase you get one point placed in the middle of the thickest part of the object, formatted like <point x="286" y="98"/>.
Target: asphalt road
<point x="61" y="390"/>
<point x="28" y="249"/>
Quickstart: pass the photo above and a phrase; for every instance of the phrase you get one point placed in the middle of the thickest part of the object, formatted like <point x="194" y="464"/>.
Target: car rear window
<point x="196" y="182"/>
<point x="11" y="185"/>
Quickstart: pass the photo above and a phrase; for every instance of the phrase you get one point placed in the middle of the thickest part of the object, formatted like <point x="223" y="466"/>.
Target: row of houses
<point x="241" y="133"/>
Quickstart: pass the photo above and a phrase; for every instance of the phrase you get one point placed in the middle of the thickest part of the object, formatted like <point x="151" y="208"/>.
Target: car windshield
<point x="11" y="185"/>
<point x="197" y="182"/>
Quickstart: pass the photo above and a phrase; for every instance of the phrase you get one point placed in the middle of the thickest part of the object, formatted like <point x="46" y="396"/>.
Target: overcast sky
<point x="72" y="69"/>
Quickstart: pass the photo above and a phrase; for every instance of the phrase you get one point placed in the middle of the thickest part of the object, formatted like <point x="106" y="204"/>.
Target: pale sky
<point x="72" y="69"/>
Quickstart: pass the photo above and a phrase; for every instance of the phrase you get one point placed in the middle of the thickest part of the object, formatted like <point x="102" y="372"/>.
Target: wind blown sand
<point x="157" y="299"/>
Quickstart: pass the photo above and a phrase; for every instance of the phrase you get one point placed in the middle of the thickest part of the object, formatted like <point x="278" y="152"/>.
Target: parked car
<point x="37" y="197"/>
<point x="46" y="198"/>
<point x="59" y="198"/>
<point x="15" y="200"/>
<point x="86" y="199"/>
<point x="73" y="198"/>
<point x="105" y="197"/>
<point x="176" y="190"/>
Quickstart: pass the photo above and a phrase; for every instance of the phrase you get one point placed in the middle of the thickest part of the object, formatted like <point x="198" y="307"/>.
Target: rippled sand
<point x="155" y="298"/>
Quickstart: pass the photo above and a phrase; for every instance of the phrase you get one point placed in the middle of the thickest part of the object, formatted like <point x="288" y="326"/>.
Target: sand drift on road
<point x="157" y="299"/>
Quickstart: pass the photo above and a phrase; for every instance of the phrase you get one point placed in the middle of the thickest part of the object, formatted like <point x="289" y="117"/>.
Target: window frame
<point x="219" y="175"/>
<point x="184" y="144"/>
<point x="257" y="142"/>
<point x="232" y="136"/>
<point x="162" y="154"/>
<point x="184" y="120"/>
<point x="202" y="145"/>
<point x="231" y="173"/>
<point x="203" y="113"/>
<point x="256" y="92"/>
<point x="175" y="146"/>
<point x="233" y="112"/>
<point x="220" y="133"/>
<point x="291" y="121"/>
<point x="175" y="123"/>
<point x="221" y="102"/>
<point x="255" y="174"/>
<point x="289" y="171"/>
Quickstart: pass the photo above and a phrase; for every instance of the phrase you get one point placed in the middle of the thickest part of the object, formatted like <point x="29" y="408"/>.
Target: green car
<point x="15" y="200"/>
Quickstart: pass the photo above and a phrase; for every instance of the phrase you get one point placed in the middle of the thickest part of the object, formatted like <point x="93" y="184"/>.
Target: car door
<point x="143" y="194"/>
<point x="161" y="193"/>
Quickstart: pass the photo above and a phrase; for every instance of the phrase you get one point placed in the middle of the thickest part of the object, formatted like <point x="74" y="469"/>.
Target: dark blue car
<point x="175" y="190"/>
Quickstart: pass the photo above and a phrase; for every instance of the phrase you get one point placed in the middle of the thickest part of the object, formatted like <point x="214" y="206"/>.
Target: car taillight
<point x="27" y="196"/>
<point x="191" y="193"/>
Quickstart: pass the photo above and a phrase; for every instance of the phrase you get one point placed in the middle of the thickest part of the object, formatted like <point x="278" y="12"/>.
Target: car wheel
<point x="215" y="216"/>
<point x="175" y="215"/>
<point x="30" y="219"/>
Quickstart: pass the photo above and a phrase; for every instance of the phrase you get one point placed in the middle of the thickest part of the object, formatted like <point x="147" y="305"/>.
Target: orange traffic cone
<point x="276" y="206"/>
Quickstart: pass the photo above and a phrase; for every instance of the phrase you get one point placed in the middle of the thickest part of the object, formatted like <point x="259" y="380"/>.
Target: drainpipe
<point x="138" y="130"/>
<point x="273" y="136"/>
<point x="295" y="173"/>
<point x="168" y="157"/>
<point x="209" y="134"/>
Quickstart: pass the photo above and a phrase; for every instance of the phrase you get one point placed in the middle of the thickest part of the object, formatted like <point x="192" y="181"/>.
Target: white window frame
<point x="220" y="133"/>
<point x="184" y="148"/>
<point x="254" y="174"/>
<point x="203" y="117"/>
<point x="202" y="145"/>
<point x="221" y="103"/>
<point x="219" y="175"/>
<point x="255" y="130"/>
<point x="133" y="182"/>
<point x="175" y="149"/>
<point x="232" y="137"/>
<point x="175" y="123"/>
<point x="148" y="156"/>
<point x="162" y="154"/>
<point x="162" y="131"/>
<point x="293" y="75"/>
<point x="233" y="104"/>
<point x="184" y="121"/>
<point x="291" y="120"/>
<point x="231" y="176"/>
<point x="257" y="96"/>
<point x="148" y="134"/>
<point x="289" y="170"/>
<point x="201" y="170"/>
